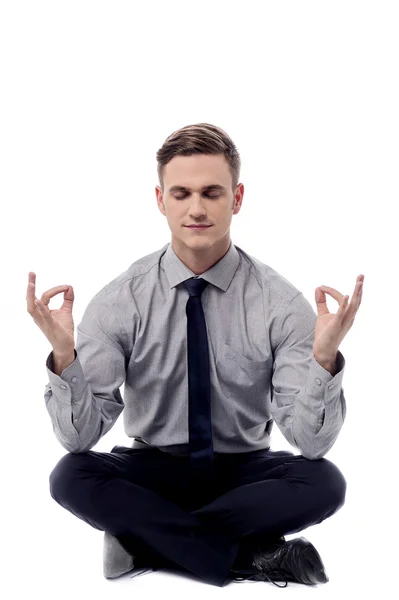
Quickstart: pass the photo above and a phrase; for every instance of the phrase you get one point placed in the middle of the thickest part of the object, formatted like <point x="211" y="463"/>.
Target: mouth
<point x="198" y="226"/>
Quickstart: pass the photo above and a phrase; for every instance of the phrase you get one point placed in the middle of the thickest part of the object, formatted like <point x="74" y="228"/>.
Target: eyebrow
<point x="182" y="188"/>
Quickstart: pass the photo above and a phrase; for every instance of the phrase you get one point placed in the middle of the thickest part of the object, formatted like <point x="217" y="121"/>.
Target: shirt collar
<point x="220" y="274"/>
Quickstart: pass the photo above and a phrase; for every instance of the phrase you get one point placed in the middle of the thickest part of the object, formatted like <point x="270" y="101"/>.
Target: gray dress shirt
<point x="260" y="335"/>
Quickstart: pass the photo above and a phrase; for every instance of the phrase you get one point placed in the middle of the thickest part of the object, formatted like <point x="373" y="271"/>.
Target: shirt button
<point x="318" y="381"/>
<point x="63" y="387"/>
<point x="330" y="387"/>
<point x="73" y="379"/>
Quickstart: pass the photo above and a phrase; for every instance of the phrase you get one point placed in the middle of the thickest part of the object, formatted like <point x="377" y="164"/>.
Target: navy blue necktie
<point x="199" y="387"/>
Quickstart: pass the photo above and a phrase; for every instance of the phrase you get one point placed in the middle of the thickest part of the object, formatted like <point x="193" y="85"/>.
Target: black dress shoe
<point x="296" y="560"/>
<point x="245" y="556"/>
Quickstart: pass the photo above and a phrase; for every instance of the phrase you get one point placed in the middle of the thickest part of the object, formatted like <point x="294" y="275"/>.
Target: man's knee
<point x="64" y="474"/>
<point x="332" y="482"/>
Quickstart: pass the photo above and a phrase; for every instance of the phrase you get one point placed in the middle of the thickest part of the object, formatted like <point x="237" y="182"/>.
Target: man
<point x="212" y="346"/>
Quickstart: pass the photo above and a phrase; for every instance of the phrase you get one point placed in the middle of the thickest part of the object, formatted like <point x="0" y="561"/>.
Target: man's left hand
<point x="330" y="329"/>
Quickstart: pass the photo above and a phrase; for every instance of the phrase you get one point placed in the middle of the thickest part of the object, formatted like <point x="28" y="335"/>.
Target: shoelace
<point x="274" y="569"/>
<point x="254" y="577"/>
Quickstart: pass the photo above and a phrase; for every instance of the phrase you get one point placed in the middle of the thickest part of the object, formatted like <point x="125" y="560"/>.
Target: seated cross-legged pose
<point x="213" y="346"/>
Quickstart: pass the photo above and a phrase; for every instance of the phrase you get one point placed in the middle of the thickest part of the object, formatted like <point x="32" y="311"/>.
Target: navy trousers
<point x="141" y="496"/>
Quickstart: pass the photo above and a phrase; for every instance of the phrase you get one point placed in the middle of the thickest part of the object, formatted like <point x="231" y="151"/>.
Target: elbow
<point x="72" y="446"/>
<point x="312" y="455"/>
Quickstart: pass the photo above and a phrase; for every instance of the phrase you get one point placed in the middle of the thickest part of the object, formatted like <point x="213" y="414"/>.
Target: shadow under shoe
<point x="296" y="560"/>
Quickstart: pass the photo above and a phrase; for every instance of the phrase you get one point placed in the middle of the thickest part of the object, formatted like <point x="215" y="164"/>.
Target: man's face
<point x="197" y="204"/>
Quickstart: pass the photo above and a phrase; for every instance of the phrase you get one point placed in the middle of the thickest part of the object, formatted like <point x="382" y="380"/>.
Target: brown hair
<point x="201" y="138"/>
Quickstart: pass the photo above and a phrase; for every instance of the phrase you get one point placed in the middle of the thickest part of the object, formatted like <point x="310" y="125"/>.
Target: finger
<point x="356" y="298"/>
<point x="31" y="297"/>
<point x="357" y="294"/>
<point x="30" y="292"/>
<point x="360" y="294"/>
<point x="333" y="292"/>
<point x="68" y="301"/>
<point x="48" y="294"/>
<point x="44" y="311"/>
<point x="342" y="310"/>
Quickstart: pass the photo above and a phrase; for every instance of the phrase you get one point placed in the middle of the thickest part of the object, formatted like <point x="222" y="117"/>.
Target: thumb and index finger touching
<point x="43" y="302"/>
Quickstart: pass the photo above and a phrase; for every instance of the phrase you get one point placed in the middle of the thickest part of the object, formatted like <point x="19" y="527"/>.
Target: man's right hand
<point x="57" y="325"/>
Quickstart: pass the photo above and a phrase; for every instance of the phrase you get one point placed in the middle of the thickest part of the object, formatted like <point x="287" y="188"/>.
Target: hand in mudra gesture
<point x="330" y="329"/>
<point x="57" y="324"/>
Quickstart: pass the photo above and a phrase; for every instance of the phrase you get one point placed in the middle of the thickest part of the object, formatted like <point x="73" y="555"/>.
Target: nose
<point x="196" y="205"/>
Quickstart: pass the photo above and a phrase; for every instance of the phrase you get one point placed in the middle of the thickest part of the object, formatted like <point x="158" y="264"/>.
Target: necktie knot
<point x="195" y="287"/>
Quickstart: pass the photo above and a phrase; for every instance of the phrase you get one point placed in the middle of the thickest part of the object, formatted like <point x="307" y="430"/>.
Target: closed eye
<point x="208" y="195"/>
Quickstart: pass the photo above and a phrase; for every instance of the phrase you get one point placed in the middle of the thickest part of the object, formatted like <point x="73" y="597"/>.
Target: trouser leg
<point x="274" y="494"/>
<point x="108" y="491"/>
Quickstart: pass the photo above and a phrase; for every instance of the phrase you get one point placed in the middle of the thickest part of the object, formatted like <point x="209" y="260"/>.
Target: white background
<point x="308" y="91"/>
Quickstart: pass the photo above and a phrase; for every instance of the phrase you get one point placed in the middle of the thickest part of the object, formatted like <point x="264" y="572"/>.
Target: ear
<point x="158" y="193"/>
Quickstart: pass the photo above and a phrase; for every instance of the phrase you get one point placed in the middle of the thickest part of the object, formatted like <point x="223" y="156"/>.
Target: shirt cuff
<point x="321" y="383"/>
<point x="70" y="385"/>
